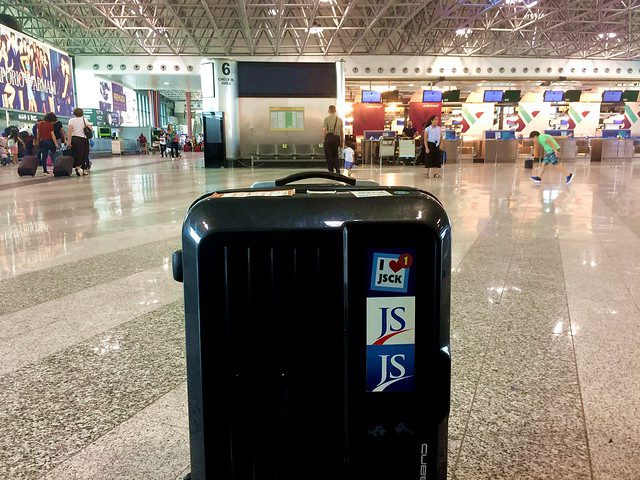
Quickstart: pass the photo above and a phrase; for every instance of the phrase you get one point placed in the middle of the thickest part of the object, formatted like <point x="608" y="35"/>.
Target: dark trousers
<point x="163" y="150"/>
<point x="175" y="149"/>
<point x="80" y="149"/>
<point x="45" y="148"/>
<point x="433" y="158"/>
<point x="331" y="145"/>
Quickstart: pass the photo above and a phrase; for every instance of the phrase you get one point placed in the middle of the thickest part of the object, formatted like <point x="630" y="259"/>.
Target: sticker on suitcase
<point x="391" y="320"/>
<point x="391" y="271"/>
<point x="391" y="344"/>
<point x="268" y="193"/>
<point x="370" y="193"/>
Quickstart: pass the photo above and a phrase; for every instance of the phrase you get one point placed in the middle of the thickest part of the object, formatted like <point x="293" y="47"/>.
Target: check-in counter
<point x="568" y="148"/>
<point x="500" y="151"/>
<point x="500" y="146"/>
<point x="611" y="149"/>
<point x="450" y="147"/>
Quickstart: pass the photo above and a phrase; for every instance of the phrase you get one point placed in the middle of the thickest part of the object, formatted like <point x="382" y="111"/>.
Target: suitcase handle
<point x="305" y="175"/>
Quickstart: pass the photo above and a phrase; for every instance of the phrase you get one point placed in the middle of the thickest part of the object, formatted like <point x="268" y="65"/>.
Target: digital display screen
<point x="511" y="96"/>
<point x="451" y="96"/>
<point x="371" y="96"/>
<point x="612" y="96"/>
<point x="493" y="96"/>
<point x="572" y="96"/>
<point x="38" y="87"/>
<point x="431" y="96"/>
<point x="553" y="96"/>
<point x="392" y="96"/>
<point x="630" y="96"/>
<point x="286" y="80"/>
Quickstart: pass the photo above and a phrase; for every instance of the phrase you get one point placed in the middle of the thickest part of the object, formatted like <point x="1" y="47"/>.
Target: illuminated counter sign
<point x="286" y="118"/>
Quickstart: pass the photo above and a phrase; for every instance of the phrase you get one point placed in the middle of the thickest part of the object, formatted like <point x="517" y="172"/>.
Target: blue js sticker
<point x="390" y="368"/>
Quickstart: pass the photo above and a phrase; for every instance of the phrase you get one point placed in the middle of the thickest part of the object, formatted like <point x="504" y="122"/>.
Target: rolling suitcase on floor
<point x="63" y="166"/>
<point x="317" y="331"/>
<point x="28" y="166"/>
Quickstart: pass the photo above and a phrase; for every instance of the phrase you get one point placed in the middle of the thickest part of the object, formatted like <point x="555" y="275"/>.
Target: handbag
<point x="88" y="131"/>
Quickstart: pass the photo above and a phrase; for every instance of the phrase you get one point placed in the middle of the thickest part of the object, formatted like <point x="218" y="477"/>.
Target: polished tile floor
<point x="545" y="320"/>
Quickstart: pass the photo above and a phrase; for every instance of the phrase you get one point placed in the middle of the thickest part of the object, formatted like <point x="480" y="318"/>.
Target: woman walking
<point x="79" y="128"/>
<point x="432" y="145"/>
<point x="46" y="140"/>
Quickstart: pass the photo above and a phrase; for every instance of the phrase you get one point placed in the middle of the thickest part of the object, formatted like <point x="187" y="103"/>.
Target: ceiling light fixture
<point x="316" y="30"/>
<point x="463" y="32"/>
<point x="167" y="83"/>
<point x="273" y="12"/>
<point x="607" y="36"/>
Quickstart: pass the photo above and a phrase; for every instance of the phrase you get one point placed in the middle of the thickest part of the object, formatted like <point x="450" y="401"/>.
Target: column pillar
<point x="341" y="87"/>
<point x="219" y="81"/>
<point x="188" y="114"/>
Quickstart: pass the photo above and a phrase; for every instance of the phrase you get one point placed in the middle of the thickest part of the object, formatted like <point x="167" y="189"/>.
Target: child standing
<point x="349" y="155"/>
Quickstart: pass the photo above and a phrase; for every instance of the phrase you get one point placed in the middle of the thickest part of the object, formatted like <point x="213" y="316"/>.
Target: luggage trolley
<point x="317" y="331"/>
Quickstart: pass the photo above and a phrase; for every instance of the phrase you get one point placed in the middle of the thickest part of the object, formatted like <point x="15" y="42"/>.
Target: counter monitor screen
<point x="371" y="96"/>
<point x="451" y="96"/>
<point x="612" y="96"/>
<point x="630" y="96"/>
<point x="493" y="96"/>
<point x="553" y="96"/>
<point x="572" y="96"/>
<point x="511" y="96"/>
<point x="431" y="96"/>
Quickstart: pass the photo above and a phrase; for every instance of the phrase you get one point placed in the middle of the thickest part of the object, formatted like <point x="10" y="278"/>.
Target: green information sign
<point x="286" y="118"/>
<point x="98" y="118"/>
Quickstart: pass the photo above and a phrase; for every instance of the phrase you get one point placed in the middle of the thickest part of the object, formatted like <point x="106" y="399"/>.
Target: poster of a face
<point x="106" y="99"/>
<point x="34" y="77"/>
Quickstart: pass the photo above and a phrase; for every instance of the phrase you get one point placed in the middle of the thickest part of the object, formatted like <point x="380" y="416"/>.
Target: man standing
<point x="409" y="130"/>
<point x="332" y="129"/>
<point x="551" y="156"/>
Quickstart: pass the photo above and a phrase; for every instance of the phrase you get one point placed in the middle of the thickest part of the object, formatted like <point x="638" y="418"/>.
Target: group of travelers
<point x="170" y="140"/>
<point x="48" y="139"/>
<point x="333" y="132"/>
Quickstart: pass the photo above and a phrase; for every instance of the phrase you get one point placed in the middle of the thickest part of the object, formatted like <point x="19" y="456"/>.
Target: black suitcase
<point x="28" y="166"/>
<point x="63" y="166"/>
<point x="317" y="331"/>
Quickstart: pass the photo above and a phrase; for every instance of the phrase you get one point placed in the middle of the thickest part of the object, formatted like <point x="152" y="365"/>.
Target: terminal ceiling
<point x="512" y="28"/>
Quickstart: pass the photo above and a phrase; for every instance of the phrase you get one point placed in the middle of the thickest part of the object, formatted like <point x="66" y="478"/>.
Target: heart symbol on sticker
<point x="395" y="265"/>
<point x="404" y="261"/>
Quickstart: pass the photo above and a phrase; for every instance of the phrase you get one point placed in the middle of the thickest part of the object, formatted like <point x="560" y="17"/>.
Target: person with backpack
<point x="79" y="133"/>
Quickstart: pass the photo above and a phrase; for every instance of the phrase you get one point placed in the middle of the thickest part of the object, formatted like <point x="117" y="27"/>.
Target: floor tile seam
<point x="122" y="325"/>
<point x="177" y="236"/>
<point x="121" y="229"/>
<point x="577" y="370"/>
<point x="617" y="216"/>
<point x="79" y="291"/>
<point x="81" y="450"/>
<point x="34" y="181"/>
<point x="475" y="241"/>
<point x="486" y="353"/>
<point x="71" y="296"/>
<point x="618" y="272"/>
